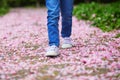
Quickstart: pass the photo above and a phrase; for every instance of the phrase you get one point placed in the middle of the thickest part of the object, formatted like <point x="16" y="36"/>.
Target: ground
<point x="23" y="41"/>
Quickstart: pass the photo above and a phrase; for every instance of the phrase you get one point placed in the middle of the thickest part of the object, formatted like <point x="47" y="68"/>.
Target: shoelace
<point x="52" y="48"/>
<point x="67" y="41"/>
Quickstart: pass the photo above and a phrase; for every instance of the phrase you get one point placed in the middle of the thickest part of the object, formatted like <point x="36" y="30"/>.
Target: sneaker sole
<point x="64" y="46"/>
<point x="51" y="54"/>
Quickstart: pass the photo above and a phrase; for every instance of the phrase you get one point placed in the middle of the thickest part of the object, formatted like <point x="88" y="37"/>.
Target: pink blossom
<point x="23" y="39"/>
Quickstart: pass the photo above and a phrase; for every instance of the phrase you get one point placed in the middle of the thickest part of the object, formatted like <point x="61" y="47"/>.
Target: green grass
<point x="118" y="35"/>
<point x="3" y="11"/>
<point x="104" y="16"/>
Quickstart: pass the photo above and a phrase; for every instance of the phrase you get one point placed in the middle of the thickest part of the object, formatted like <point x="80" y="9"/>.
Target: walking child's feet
<point x="52" y="51"/>
<point x="67" y="43"/>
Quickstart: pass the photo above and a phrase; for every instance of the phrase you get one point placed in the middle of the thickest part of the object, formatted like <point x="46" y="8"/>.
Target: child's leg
<point x="66" y="12"/>
<point x="53" y="7"/>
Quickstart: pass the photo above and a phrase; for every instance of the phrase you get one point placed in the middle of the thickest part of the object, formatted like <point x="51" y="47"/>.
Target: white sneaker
<point x="67" y="42"/>
<point x="52" y="51"/>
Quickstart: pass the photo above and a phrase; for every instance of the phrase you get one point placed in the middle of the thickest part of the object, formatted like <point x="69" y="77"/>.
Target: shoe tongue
<point x="67" y="38"/>
<point x="67" y="41"/>
<point x="53" y="46"/>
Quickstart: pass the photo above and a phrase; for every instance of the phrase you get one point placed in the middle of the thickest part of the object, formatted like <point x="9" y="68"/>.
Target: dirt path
<point x="23" y="39"/>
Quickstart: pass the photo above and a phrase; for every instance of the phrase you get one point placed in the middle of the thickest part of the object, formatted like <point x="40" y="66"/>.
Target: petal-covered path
<point x="23" y="40"/>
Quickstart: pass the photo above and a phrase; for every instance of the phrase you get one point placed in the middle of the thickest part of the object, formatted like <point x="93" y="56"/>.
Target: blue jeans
<point x="54" y="8"/>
